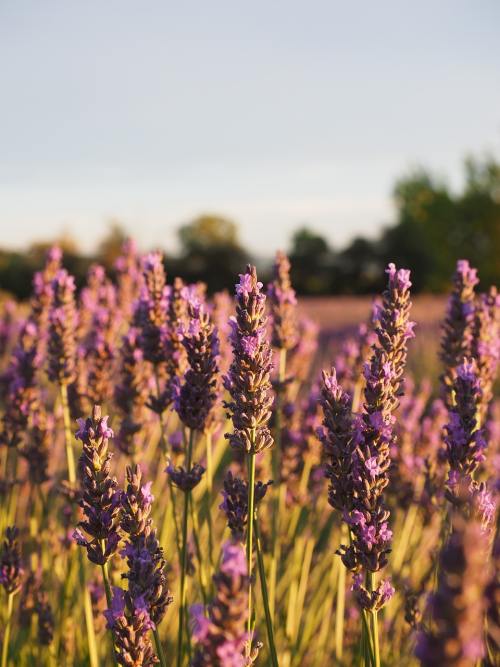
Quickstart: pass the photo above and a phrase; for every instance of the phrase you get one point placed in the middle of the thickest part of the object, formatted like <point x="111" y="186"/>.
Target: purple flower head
<point x="386" y="590"/>
<point x="200" y="624"/>
<point x="233" y="560"/>
<point x="117" y="609"/>
<point x="372" y="466"/>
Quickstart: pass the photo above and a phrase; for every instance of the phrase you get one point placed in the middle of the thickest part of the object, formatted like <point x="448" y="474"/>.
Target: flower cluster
<point x="458" y="327"/>
<point x="11" y="569"/>
<point x="464" y="441"/>
<point x="368" y="518"/>
<point x="99" y="491"/>
<point x="131" y="393"/>
<point x="283" y="304"/>
<point x="147" y="581"/>
<point x="62" y="327"/>
<point x="150" y="316"/>
<point x="486" y="346"/>
<point x="221" y="637"/>
<point x="458" y="605"/>
<point x="197" y="393"/>
<point x="338" y="435"/>
<point x="185" y="480"/>
<point x="248" y="380"/>
<point x="23" y="392"/>
<point x="129" y="620"/>
<point x="235" y="503"/>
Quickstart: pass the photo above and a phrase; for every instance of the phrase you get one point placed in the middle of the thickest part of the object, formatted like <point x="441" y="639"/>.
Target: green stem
<point x="208" y="496"/>
<point x="249" y="545"/>
<point x="159" y="648"/>
<point x="339" y="614"/>
<point x="89" y="617"/>
<point x="182" y="604"/>
<point x="278" y="490"/>
<point x="265" y="597"/>
<point x="107" y="588"/>
<point x="374" y="623"/>
<point x="70" y="459"/>
<point x="201" y="565"/>
<point x="70" y="455"/>
<point x="6" y="634"/>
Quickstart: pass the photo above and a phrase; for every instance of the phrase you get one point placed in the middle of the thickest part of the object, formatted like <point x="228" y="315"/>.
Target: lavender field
<point x="247" y="478"/>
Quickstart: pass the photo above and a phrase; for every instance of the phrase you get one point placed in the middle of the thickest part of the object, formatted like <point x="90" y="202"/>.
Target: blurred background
<point x="347" y="134"/>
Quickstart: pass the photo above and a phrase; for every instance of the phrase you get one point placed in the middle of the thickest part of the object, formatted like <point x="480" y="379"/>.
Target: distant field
<point x="338" y="316"/>
<point x="332" y="313"/>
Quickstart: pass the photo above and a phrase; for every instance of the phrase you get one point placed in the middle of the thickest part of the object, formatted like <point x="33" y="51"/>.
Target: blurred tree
<point x="211" y="252"/>
<point x="312" y="262"/>
<point x="109" y="249"/>
<point x="434" y="227"/>
<point x="359" y="268"/>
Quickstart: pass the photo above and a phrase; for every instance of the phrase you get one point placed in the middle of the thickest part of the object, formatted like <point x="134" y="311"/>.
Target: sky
<point x="274" y="113"/>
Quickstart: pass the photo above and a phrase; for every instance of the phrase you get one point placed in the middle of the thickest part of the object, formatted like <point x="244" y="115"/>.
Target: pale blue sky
<point x="274" y="113"/>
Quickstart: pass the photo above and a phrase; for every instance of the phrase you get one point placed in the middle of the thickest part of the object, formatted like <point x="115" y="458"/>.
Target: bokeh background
<point x="347" y="134"/>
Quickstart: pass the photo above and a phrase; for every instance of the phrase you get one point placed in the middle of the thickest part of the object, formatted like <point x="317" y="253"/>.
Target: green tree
<point x="211" y="252"/>
<point x="312" y="262"/>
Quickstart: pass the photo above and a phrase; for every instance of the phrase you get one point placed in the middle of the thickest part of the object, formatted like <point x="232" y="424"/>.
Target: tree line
<point x="433" y="227"/>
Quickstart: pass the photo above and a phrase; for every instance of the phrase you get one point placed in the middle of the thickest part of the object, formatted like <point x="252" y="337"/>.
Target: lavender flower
<point x="486" y="346"/>
<point x="185" y="480"/>
<point x="100" y="498"/>
<point x="11" y="570"/>
<point x="131" y="624"/>
<point x="150" y="315"/>
<point x="235" y="503"/>
<point x="23" y="393"/>
<point x="131" y="393"/>
<point x="147" y="581"/>
<point x="458" y="327"/>
<point x="43" y="293"/>
<point x="465" y="442"/>
<point x="368" y="519"/>
<point x="458" y="605"/>
<point x="198" y="393"/>
<point x="248" y="380"/>
<point x="283" y="304"/>
<point x="36" y="450"/>
<point x="128" y="277"/>
<point x="338" y="435"/>
<point x="62" y="327"/>
<point x="221" y="637"/>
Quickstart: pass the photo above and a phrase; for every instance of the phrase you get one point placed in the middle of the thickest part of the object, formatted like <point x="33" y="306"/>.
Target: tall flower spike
<point x="384" y="377"/>
<point x="62" y="327"/>
<point x="464" y="441"/>
<point x="248" y="380"/>
<point x="197" y="393"/>
<point x="11" y="570"/>
<point x="147" y="581"/>
<point x="100" y="499"/>
<point x="338" y="437"/>
<point x="41" y="298"/>
<point x="486" y="346"/>
<point x="132" y="391"/>
<point x="131" y="625"/>
<point x="235" y="503"/>
<point x="458" y="605"/>
<point x="221" y="637"/>
<point x="23" y="394"/>
<point x="283" y="304"/>
<point x="458" y="327"/>
<point x="128" y="278"/>
<point x="150" y="315"/>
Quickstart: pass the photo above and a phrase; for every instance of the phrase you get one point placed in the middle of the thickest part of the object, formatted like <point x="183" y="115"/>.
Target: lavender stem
<point x="8" y="623"/>
<point x="249" y="545"/>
